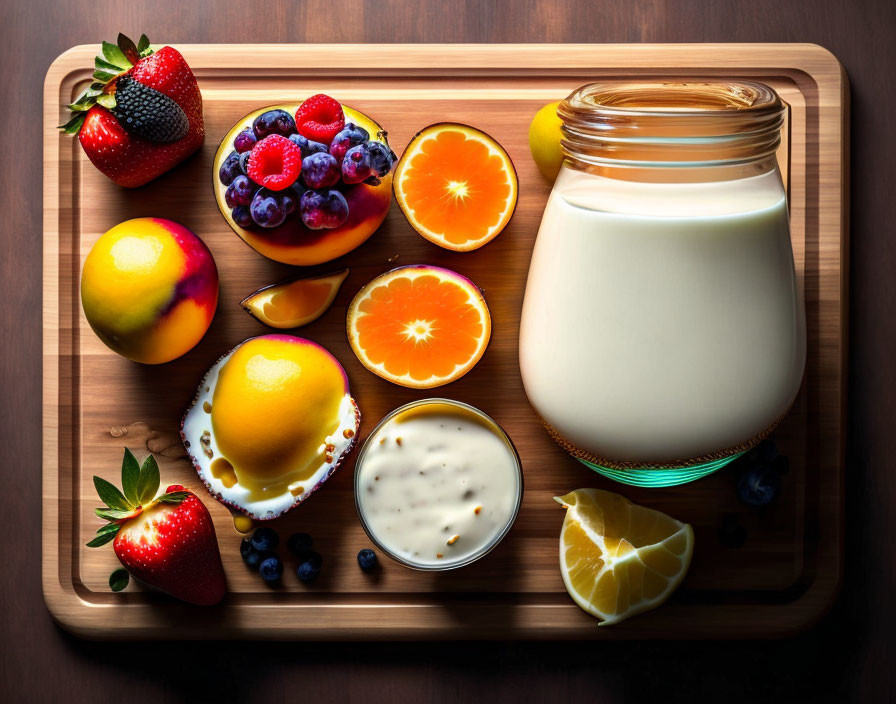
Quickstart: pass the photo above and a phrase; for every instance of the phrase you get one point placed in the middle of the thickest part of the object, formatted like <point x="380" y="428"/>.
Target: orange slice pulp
<point x="618" y="559"/>
<point x="456" y="186"/>
<point x="296" y="302"/>
<point x="419" y="326"/>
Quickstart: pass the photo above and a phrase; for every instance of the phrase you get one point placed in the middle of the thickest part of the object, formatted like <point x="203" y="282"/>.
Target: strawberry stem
<point x="116" y="59"/>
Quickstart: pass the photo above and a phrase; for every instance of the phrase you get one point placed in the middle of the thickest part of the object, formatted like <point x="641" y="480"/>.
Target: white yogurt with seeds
<point x="437" y="484"/>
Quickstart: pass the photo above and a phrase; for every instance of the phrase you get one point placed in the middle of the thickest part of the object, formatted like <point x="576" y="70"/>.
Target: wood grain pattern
<point x="786" y="575"/>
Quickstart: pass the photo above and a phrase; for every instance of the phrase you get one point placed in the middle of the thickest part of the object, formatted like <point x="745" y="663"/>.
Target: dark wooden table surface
<point x="848" y="656"/>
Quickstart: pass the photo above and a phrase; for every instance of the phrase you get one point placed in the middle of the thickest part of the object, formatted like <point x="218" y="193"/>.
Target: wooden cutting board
<point x="94" y="402"/>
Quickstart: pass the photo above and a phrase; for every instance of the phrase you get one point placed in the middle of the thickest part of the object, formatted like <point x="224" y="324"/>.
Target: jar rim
<point x="683" y="122"/>
<point x="705" y="97"/>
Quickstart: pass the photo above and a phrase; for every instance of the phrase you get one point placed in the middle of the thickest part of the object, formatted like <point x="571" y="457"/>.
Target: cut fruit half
<point x="618" y="559"/>
<point x="295" y="302"/>
<point x="456" y="186"/>
<point x="419" y="326"/>
<point x="292" y="242"/>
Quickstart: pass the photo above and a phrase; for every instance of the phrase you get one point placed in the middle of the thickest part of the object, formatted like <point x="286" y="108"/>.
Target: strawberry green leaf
<point x="115" y="57"/>
<point x="73" y="126"/>
<point x="104" y="535"/>
<point x="142" y="44"/>
<point x="112" y="514"/>
<point x="84" y="98"/>
<point x="119" y="579"/>
<point x="79" y="107"/>
<point x="106" y="100"/>
<point x="175" y="497"/>
<point x="103" y="65"/>
<point x="148" y="484"/>
<point x="128" y="48"/>
<point x="101" y="540"/>
<point x="130" y="475"/>
<point x="112" y="528"/>
<point x="110" y="494"/>
<point x="103" y="76"/>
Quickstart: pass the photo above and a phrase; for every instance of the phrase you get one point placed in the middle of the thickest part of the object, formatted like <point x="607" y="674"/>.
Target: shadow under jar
<point x="662" y="331"/>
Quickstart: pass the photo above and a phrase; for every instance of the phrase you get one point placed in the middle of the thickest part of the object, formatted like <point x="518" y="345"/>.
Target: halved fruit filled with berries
<point x="304" y="183"/>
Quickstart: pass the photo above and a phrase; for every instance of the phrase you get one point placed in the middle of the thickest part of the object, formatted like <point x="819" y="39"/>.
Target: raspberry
<point x="320" y="118"/>
<point x="275" y="162"/>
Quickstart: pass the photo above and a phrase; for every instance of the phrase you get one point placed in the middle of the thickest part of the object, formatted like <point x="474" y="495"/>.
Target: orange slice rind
<point x="419" y="326"/>
<point x="295" y="302"/>
<point x="618" y="559"/>
<point x="456" y="186"/>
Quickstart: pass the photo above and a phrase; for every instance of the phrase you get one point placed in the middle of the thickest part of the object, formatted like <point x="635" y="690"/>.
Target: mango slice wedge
<point x="295" y="302"/>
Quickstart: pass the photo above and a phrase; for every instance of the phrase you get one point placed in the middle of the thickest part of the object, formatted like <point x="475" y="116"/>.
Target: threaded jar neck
<point x="659" y="124"/>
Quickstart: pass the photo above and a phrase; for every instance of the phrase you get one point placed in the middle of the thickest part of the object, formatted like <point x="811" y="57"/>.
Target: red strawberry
<point x="129" y="120"/>
<point x="167" y="542"/>
<point x="320" y="118"/>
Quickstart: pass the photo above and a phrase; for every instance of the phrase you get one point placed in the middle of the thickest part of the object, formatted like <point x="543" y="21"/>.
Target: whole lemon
<point x="149" y="289"/>
<point x="544" y="141"/>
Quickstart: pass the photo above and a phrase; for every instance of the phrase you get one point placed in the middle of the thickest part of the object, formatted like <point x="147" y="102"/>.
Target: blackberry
<point x="148" y="113"/>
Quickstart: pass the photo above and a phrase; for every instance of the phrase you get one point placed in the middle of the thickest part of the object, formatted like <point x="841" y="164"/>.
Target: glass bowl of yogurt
<point x="438" y="484"/>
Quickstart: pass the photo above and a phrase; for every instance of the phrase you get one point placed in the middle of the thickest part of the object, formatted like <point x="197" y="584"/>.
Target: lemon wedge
<point x="618" y="559"/>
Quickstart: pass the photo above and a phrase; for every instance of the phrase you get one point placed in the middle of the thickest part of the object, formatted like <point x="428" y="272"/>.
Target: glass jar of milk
<point x="663" y="333"/>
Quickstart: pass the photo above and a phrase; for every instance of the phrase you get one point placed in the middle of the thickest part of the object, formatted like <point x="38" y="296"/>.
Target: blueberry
<point x="242" y="217"/>
<point x="765" y="451"/>
<point x="289" y="201"/>
<point x="323" y="209"/>
<point x="759" y="484"/>
<point x="246" y="547"/>
<point x="274" y="122"/>
<point x="320" y="170"/>
<point x="245" y="140"/>
<point x="271" y="569"/>
<point x="240" y="191"/>
<point x="367" y="559"/>
<point x="265" y="539"/>
<point x="310" y="568"/>
<point x="299" y="544"/>
<point x="229" y="168"/>
<point x="306" y="146"/>
<point x="255" y="557"/>
<point x="268" y="208"/>
<point x="230" y="197"/>
<point x="357" y="165"/>
<point x="381" y="158"/>
<point x="244" y="162"/>
<point x="348" y="137"/>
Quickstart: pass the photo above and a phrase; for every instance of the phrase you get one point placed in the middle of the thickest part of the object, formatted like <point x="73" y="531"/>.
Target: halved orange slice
<point x="296" y="302"/>
<point x="419" y="326"/>
<point x="618" y="559"/>
<point x="456" y="186"/>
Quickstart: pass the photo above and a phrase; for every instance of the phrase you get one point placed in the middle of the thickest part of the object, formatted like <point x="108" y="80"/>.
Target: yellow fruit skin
<point x="275" y="398"/>
<point x="544" y="141"/>
<point x="149" y="289"/>
<point x="292" y="242"/>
